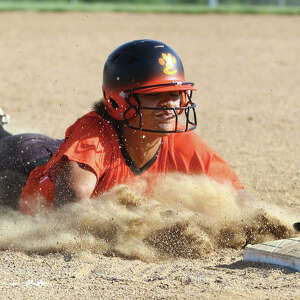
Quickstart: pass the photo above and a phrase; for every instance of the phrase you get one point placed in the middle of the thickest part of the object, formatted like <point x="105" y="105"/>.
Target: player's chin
<point x="166" y="126"/>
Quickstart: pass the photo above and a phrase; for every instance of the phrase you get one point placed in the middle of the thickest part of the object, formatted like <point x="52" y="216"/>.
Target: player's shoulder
<point x="91" y="131"/>
<point x="90" y="125"/>
<point x="91" y="121"/>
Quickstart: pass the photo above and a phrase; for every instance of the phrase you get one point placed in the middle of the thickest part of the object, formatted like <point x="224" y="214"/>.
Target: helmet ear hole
<point x="114" y="104"/>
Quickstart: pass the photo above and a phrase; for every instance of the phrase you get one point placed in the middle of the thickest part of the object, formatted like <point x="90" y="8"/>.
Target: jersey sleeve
<point x="90" y="152"/>
<point x="85" y="143"/>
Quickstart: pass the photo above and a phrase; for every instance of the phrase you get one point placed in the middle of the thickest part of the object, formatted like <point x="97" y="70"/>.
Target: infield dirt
<point x="247" y="71"/>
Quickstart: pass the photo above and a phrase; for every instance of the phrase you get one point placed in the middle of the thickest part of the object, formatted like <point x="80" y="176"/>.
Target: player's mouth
<point x="165" y="119"/>
<point x="165" y="115"/>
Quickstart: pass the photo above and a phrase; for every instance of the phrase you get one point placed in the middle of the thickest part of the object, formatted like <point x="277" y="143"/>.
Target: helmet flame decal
<point x="169" y="62"/>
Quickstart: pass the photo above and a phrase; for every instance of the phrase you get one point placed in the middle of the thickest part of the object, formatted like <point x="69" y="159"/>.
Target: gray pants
<point x="19" y="155"/>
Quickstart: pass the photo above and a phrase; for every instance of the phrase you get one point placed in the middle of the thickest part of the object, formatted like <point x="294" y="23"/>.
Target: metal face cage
<point x="189" y="110"/>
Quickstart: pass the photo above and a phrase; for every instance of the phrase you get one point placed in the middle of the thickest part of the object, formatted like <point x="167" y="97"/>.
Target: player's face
<point x="162" y="120"/>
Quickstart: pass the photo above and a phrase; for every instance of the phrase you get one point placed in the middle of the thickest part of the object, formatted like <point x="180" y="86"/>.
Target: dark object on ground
<point x="297" y="226"/>
<point x="4" y="133"/>
<point x="19" y="155"/>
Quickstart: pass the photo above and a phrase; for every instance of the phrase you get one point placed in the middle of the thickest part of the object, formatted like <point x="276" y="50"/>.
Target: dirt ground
<point x="247" y="71"/>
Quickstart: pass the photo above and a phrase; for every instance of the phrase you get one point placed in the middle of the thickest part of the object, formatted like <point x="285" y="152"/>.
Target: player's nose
<point x="169" y="99"/>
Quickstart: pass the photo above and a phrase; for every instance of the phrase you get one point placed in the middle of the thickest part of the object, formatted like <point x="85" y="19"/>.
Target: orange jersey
<point x="93" y="141"/>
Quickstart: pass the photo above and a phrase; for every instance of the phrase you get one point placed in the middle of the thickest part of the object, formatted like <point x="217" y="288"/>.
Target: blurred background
<point x="191" y="6"/>
<point x="212" y="3"/>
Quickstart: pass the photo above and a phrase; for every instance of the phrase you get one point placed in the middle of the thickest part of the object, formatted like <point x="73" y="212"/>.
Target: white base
<point x="284" y="253"/>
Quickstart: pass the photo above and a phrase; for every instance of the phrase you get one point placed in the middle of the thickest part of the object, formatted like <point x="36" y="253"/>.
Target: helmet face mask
<point x="186" y="107"/>
<point x="146" y="67"/>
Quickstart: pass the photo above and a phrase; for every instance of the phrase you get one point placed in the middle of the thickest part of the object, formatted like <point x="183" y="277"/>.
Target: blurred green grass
<point x="61" y="6"/>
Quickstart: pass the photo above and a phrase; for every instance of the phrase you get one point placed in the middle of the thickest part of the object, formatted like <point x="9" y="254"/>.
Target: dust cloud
<point x="187" y="216"/>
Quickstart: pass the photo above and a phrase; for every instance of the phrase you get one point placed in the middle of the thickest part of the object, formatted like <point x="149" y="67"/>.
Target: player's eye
<point x="174" y="94"/>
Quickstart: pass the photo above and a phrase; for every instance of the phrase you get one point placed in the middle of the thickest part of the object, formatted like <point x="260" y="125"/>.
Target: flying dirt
<point x="187" y="216"/>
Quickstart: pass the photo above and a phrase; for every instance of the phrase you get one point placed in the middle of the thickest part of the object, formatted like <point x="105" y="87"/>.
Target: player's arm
<point x="75" y="182"/>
